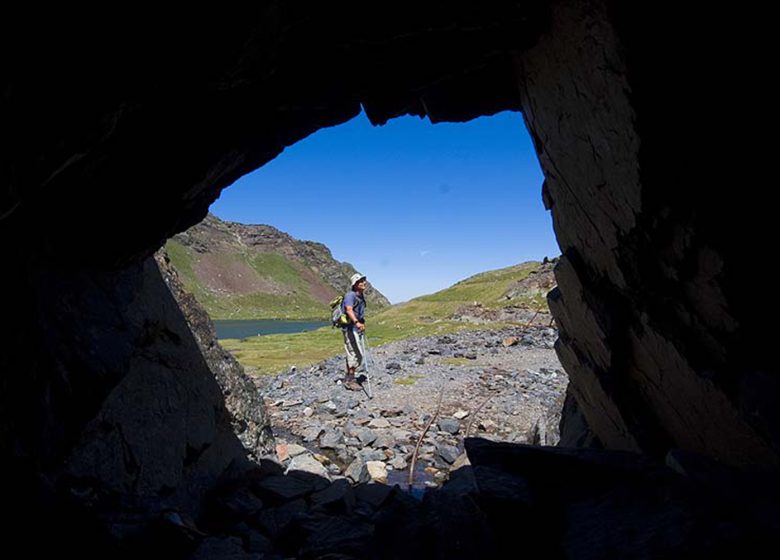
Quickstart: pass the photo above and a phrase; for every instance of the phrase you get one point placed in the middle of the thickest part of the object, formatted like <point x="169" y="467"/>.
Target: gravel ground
<point x="503" y="385"/>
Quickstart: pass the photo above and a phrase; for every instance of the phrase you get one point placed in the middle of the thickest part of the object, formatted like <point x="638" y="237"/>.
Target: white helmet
<point x="357" y="277"/>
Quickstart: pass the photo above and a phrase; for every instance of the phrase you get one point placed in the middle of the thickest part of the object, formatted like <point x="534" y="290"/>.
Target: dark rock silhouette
<point x="242" y="400"/>
<point x="113" y="431"/>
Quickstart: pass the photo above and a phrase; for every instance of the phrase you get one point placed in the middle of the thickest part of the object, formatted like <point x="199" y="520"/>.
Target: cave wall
<point x="105" y="125"/>
<point x="118" y="139"/>
<point x="108" y="404"/>
<point x="661" y="348"/>
<point x="243" y="401"/>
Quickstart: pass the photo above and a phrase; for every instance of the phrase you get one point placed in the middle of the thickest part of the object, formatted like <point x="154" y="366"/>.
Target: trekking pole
<point x="366" y="359"/>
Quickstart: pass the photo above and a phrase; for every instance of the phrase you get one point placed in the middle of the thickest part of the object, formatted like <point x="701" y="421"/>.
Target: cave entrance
<point x="448" y="224"/>
<point x="122" y="137"/>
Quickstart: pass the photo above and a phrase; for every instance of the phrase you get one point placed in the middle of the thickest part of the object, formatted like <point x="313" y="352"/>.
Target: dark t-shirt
<point x="358" y="304"/>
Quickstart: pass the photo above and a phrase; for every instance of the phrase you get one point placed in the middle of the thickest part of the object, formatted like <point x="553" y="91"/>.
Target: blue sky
<point x="414" y="206"/>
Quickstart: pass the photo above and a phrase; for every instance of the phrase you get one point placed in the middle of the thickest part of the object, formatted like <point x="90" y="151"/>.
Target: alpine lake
<point x="259" y="327"/>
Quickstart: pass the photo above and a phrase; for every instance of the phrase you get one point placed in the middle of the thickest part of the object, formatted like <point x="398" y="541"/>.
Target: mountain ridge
<point x="256" y="271"/>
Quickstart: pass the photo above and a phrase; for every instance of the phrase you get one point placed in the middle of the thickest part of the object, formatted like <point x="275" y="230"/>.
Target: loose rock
<point x="506" y="398"/>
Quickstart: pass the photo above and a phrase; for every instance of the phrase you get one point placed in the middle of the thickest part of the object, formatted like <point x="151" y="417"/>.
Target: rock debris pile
<point x="502" y="385"/>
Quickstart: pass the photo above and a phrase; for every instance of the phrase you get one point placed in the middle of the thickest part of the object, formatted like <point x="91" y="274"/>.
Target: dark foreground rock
<point x="247" y="413"/>
<point x="513" y="500"/>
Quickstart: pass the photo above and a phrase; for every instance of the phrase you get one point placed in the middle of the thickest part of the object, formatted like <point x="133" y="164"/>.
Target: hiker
<point x="355" y="308"/>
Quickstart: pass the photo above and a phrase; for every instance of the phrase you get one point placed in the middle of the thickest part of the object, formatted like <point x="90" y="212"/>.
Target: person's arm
<point x="352" y="317"/>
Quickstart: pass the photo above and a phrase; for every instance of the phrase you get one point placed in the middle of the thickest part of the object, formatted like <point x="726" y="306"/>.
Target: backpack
<point x="337" y="316"/>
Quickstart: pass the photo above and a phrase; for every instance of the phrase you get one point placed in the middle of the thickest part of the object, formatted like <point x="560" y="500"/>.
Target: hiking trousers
<point x="352" y="347"/>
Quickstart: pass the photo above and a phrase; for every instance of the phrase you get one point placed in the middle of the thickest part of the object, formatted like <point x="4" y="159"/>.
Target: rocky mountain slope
<point x="239" y="271"/>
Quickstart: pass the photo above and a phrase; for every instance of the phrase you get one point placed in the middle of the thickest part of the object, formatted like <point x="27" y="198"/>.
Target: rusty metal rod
<point x="425" y="431"/>
<point x="474" y="415"/>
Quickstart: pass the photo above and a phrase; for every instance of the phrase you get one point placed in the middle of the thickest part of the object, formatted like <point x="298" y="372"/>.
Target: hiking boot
<point x="349" y="380"/>
<point x="352" y="385"/>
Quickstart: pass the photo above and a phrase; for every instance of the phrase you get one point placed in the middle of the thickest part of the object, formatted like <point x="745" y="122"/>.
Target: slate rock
<point x="461" y="461"/>
<point x="401" y="435"/>
<point x="373" y="494"/>
<point x="329" y="406"/>
<point x="307" y="463"/>
<point x="448" y="452"/>
<point x="339" y="497"/>
<point x="377" y="471"/>
<point x="283" y="488"/>
<point x="333" y="538"/>
<point x="383" y="441"/>
<point x="227" y="547"/>
<point x="366" y="436"/>
<point x="240" y="503"/>
<point x="258" y="543"/>
<point x="311" y="434"/>
<point x="274" y="520"/>
<point x="357" y="471"/>
<point x="379" y="423"/>
<point x="370" y="454"/>
<point x="449" y="425"/>
<point x="331" y="439"/>
<point x="293" y="450"/>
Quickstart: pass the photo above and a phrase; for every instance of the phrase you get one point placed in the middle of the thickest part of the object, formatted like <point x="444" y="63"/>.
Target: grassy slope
<point x="284" y="272"/>
<point x="488" y="288"/>
<point x="423" y="316"/>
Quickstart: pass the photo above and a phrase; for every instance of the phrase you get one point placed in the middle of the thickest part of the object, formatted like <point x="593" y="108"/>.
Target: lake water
<point x="244" y="329"/>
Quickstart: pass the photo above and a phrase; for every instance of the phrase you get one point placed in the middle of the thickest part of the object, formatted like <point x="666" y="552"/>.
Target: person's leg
<point x="350" y="376"/>
<point x="359" y="343"/>
<point x="354" y="359"/>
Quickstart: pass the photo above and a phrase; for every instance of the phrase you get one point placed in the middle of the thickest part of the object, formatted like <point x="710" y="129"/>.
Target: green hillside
<point x="295" y="303"/>
<point x="487" y="289"/>
<point x="239" y="271"/>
